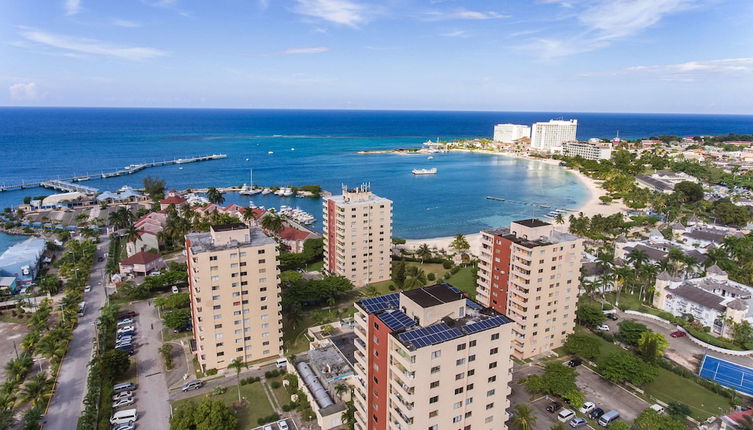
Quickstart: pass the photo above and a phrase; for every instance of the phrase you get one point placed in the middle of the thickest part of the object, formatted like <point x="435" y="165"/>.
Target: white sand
<point x="591" y="207"/>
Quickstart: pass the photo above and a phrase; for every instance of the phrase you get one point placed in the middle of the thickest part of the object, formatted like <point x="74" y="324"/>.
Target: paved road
<point x="227" y="381"/>
<point x="67" y="402"/>
<point x="151" y="394"/>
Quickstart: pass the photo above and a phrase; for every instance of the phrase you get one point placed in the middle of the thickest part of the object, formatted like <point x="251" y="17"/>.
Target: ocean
<point x="320" y="147"/>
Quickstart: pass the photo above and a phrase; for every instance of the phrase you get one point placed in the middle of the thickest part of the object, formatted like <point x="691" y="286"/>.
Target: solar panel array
<point x="485" y="324"/>
<point x="727" y="374"/>
<point x="430" y="335"/>
<point x="381" y="303"/>
<point x="453" y="289"/>
<point x="396" y="320"/>
<point x="473" y="305"/>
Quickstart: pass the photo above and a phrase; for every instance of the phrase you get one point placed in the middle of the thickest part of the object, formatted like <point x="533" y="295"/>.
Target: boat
<point x="432" y="171"/>
<point x="292" y="149"/>
<point x="266" y="191"/>
<point x="249" y="190"/>
<point x="430" y="157"/>
<point x="270" y="152"/>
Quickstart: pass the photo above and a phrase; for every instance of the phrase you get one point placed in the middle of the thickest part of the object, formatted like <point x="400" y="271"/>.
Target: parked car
<point x="125" y="386"/>
<point x="283" y="425"/>
<point x="125" y="321"/>
<point x="587" y="408"/>
<point x="122" y="395"/>
<point x="175" y="289"/>
<point x="126" y="416"/>
<point x="129" y="314"/>
<point x="192" y="385"/>
<point x="128" y="349"/>
<point x="124" y="426"/>
<point x="678" y="333"/>
<point x="602" y="327"/>
<point x="578" y="422"/>
<point x="126" y="329"/>
<point x="596" y="413"/>
<point x="554" y="407"/>
<point x="612" y="317"/>
<point x="155" y="273"/>
<point x="575" y="362"/>
<point x="566" y="415"/>
<point x="87" y="288"/>
<point x="267" y="427"/>
<point x="657" y="407"/>
<point x="123" y="402"/>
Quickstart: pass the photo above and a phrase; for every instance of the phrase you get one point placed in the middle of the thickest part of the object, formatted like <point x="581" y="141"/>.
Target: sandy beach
<point x="591" y="207"/>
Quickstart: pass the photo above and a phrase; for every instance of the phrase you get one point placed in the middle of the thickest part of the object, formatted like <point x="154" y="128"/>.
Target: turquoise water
<point x="7" y="240"/>
<point x="48" y="143"/>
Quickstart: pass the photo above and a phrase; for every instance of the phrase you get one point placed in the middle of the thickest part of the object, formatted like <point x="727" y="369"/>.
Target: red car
<point x="127" y="315"/>
<point x="678" y="333"/>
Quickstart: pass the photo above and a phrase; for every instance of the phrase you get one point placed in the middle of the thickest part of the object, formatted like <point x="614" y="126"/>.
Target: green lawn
<point x="464" y="280"/>
<point x="258" y="404"/>
<point x="167" y="334"/>
<point x="315" y="267"/>
<point x="281" y="394"/>
<point x="672" y="387"/>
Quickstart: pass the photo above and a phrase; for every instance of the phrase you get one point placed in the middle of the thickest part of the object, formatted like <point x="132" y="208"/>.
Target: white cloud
<point x="465" y="14"/>
<point x="601" y="22"/>
<point x="343" y="12"/>
<point x="23" y="91"/>
<point x="72" y="7"/>
<point x="125" y="23"/>
<point x="314" y="50"/>
<point x="263" y="4"/>
<point x="456" y="33"/>
<point x="80" y="45"/>
<point x="687" y="71"/>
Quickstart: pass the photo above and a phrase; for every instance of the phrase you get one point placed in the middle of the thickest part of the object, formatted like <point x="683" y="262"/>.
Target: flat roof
<point x="532" y="222"/>
<point x="229" y="227"/>
<point x="434" y="295"/>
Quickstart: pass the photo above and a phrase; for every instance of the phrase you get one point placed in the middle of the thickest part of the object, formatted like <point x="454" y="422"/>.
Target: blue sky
<point x="538" y="55"/>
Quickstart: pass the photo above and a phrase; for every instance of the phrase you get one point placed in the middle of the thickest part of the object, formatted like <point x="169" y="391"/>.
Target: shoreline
<point x="592" y="206"/>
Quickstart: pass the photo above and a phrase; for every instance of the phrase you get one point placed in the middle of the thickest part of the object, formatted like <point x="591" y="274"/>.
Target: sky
<point x="684" y="56"/>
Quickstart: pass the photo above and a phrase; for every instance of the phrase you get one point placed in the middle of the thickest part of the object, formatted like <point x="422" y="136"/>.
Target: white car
<point x="124" y="426"/>
<point x="123" y="402"/>
<point x="125" y="321"/>
<point x="267" y="427"/>
<point x="587" y="408"/>
<point x="87" y="288"/>
<point x="126" y="329"/>
<point x="283" y="425"/>
<point x="602" y="327"/>
<point x="122" y="395"/>
<point x="175" y="289"/>
<point x="565" y="415"/>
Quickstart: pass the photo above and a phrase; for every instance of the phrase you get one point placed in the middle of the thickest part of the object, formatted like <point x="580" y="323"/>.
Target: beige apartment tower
<point x="431" y="359"/>
<point x="358" y="235"/>
<point x="235" y="295"/>
<point x="530" y="272"/>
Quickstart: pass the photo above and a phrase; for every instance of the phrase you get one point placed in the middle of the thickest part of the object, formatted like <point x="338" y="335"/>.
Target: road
<point x="67" y="401"/>
<point x="151" y="394"/>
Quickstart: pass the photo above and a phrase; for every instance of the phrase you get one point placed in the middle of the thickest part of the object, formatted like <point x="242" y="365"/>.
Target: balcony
<point x="400" y="386"/>
<point x="406" y="420"/>
<point x="399" y="399"/>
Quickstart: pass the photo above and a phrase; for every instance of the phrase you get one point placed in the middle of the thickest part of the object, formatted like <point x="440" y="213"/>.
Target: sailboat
<point x="249" y="190"/>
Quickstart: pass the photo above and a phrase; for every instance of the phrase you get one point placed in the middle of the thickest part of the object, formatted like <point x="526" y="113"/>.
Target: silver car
<point x="123" y="402"/>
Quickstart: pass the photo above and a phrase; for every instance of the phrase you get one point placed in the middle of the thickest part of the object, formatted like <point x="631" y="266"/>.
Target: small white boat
<point x="266" y="191"/>
<point x="429" y="157"/>
<point x="249" y="190"/>
<point x="432" y="171"/>
<point x="270" y="152"/>
<point x="292" y="149"/>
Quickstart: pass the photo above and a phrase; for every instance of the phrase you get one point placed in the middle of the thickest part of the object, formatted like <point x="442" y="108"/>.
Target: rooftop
<point x="434" y="295"/>
<point x="229" y="227"/>
<point x="532" y="222"/>
<point x="551" y="239"/>
<point x="202" y="242"/>
<point x="142" y="257"/>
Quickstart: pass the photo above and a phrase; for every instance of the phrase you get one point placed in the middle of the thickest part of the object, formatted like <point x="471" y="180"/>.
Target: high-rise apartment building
<point x="430" y="358"/>
<point x="358" y="235"/>
<point x="530" y="273"/>
<point x="235" y="295"/>
<point x="546" y="135"/>
<point x="588" y="150"/>
<point x="509" y="133"/>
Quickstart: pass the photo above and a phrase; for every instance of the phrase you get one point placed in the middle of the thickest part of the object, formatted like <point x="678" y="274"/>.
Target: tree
<point x="154" y="187"/>
<point x="349" y="415"/>
<point x="619" y="425"/>
<point x="399" y="274"/>
<point x="558" y="380"/>
<point x="424" y="252"/>
<point x="460" y="243"/>
<point x="215" y="196"/>
<point x="272" y="222"/>
<point x="583" y="345"/>
<point x="649" y="419"/>
<point x="623" y="366"/>
<point x="341" y="389"/>
<point x="204" y="415"/>
<point x="742" y="333"/>
<point x="688" y="192"/>
<point x="37" y="389"/>
<point x="115" y="361"/>
<point x="651" y="345"/>
<point x="177" y="318"/>
<point x="678" y="410"/>
<point x="729" y="213"/>
<point x="605" y="199"/>
<point x="238" y="364"/>
<point x="174" y="301"/>
<point x="590" y="315"/>
<point x="559" y="219"/>
<point x="50" y="284"/>
<point x="523" y="418"/>
<point x="630" y="331"/>
<point x="132" y="234"/>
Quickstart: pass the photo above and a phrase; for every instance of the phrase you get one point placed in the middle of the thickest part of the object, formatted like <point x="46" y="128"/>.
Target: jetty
<point x="519" y="202"/>
<point x="65" y="184"/>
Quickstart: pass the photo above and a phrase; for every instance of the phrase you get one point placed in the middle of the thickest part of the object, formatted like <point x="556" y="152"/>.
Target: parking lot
<point x="276" y="426"/>
<point x="603" y="393"/>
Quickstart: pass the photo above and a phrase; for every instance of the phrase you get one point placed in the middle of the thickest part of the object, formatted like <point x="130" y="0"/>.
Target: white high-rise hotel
<point x="509" y="133"/>
<point x="546" y="135"/>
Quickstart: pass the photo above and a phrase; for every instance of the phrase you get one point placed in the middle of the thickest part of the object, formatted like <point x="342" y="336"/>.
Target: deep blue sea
<point x="45" y="143"/>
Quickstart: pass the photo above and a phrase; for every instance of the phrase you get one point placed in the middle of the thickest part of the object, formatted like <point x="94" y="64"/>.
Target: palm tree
<point x="215" y="196"/>
<point x="248" y="215"/>
<point x="415" y="278"/>
<point x="559" y="219"/>
<point x="524" y="418"/>
<point x="423" y="252"/>
<point x="272" y="222"/>
<point x="623" y="275"/>
<point x="460" y="243"/>
<point x="238" y="364"/>
<point x="341" y="389"/>
<point x="36" y="389"/>
<point x="131" y="234"/>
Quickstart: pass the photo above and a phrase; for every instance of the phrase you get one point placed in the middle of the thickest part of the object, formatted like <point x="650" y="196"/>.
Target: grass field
<point x="258" y="404"/>
<point x="464" y="280"/>
<point x="281" y="394"/>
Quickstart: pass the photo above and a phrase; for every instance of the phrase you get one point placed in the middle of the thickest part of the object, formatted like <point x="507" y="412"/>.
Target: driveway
<point x="151" y="394"/>
<point x="609" y="396"/>
<point x="67" y="401"/>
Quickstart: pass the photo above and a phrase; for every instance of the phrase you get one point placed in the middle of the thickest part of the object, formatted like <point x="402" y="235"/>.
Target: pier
<point x="65" y="184"/>
<point x="518" y="202"/>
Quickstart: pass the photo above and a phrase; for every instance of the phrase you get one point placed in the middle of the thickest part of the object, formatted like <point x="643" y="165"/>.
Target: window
<point x="457" y="419"/>
<point x="469" y="387"/>
<point x="490" y="393"/>
<point x="492" y="365"/>
<point x="434" y="399"/>
<point x="460" y="361"/>
<point x="434" y="427"/>
<point x="489" y="406"/>
<point x="434" y="384"/>
<point x="461" y="347"/>
<point x="472" y="343"/>
<point x="435" y="369"/>
<point x="495" y="336"/>
<point x="433" y="414"/>
<point x="459" y="376"/>
<point x="436" y="354"/>
<point x="457" y="405"/>
<point x="493" y="351"/>
<point x="471" y="372"/>
<point x="459" y="390"/>
<point x="472" y="358"/>
<point x="491" y="379"/>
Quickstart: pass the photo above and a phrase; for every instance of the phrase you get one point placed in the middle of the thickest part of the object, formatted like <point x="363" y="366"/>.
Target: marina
<point x="64" y="184"/>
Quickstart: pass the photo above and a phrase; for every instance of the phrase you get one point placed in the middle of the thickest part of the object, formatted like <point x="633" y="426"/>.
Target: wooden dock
<point x="64" y="184"/>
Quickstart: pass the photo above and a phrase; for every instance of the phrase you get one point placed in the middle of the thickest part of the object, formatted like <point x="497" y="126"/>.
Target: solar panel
<point x="453" y="289"/>
<point x="727" y="374"/>
<point x="396" y="320"/>
<point x="430" y="335"/>
<point x="485" y="324"/>
<point x="381" y="303"/>
<point x="473" y="305"/>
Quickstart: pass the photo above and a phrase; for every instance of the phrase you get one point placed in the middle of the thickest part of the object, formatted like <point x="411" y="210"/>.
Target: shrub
<point x="447" y="264"/>
<point x="431" y="277"/>
<point x="286" y="408"/>
<point x="210" y="372"/>
<point x="391" y="287"/>
<point x="447" y="275"/>
<point x="268" y="419"/>
<point x="455" y="269"/>
<point x="275" y="385"/>
<point x="219" y="391"/>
